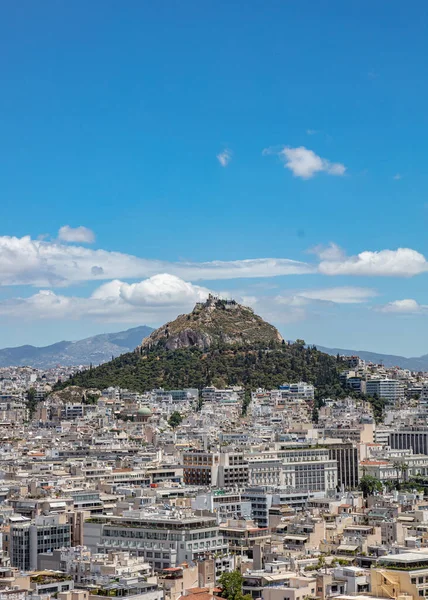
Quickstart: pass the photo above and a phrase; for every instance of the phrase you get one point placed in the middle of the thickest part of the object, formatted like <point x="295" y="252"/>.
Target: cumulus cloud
<point x="304" y="163"/>
<point x="24" y="261"/>
<point x="403" y="262"/>
<point x="155" y="299"/>
<point x="162" y="289"/>
<point x="224" y="157"/>
<point x="161" y="297"/>
<point x="81" y="234"/>
<point x="406" y="306"/>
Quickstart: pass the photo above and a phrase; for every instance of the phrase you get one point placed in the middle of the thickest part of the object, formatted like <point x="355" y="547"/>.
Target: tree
<point x="369" y="485"/>
<point x="175" y="419"/>
<point x="31" y="402"/>
<point x="397" y="466"/>
<point x="231" y="584"/>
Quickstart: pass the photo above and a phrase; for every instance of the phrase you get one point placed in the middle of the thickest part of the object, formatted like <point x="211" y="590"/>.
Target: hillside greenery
<point x="250" y="366"/>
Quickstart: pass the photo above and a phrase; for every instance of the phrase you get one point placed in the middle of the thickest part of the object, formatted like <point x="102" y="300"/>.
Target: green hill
<point x="219" y="343"/>
<point x="253" y="367"/>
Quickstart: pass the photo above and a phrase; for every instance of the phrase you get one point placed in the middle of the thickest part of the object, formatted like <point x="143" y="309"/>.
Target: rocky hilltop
<point x="213" y="322"/>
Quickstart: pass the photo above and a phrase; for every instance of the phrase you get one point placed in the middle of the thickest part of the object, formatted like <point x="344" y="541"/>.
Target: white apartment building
<point x="164" y="538"/>
<point x="303" y="469"/>
<point x="298" y="390"/>
<point x="389" y="389"/>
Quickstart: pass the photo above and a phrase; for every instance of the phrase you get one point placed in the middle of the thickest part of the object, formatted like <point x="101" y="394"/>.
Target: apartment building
<point x="164" y="538"/>
<point x="389" y="389"/>
<point x="28" y="538"/>
<point x="242" y="535"/>
<point x="398" y="574"/>
<point x="222" y="503"/>
<point x="308" y="469"/>
<point x="215" y="469"/>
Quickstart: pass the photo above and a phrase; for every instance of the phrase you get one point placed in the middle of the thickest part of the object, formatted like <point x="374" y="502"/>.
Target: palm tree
<point x="397" y="466"/>
<point x="405" y="471"/>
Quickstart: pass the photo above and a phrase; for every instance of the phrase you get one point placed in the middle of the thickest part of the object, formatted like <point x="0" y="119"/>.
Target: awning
<point x="302" y="538"/>
<point x="347" y="548"/>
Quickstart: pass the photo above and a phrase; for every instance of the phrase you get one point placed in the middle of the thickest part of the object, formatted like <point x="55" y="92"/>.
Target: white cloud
<point x="162" y="289"/>
<point x="24" y="261"/>
<point x="81" y="234"/>
<point x="403" y="262"/>
<point x="224" y="157"/>
<point x="153" y="300"/>
<point x="406" y="306"/>
<point x="340" y="295"/>
<point x="397" y="177"/>
<point x="304" y="163"/>
<point x="312" y="131"/>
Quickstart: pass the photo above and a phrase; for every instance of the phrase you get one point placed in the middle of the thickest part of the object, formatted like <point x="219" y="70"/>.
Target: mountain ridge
<point x="95" y="349"/>
<point x="413" y="363"/>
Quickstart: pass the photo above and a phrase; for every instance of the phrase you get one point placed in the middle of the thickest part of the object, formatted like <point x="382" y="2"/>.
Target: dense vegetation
<point x="175" y="419"/>
<point x="251" y="366"/>
<point x="231" y="586"/>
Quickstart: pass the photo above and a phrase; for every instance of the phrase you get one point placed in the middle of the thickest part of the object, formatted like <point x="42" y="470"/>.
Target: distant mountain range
<point x="96" y="350"/>
<point x="100" y="348"/>
<point x="415" y="363"/>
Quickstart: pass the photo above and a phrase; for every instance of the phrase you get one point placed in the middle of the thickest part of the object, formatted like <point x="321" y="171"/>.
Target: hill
<point x="95" y="350"/>
<point x="415" y="363"/>
<point x="211" y="323"/>
<point x="216" y="344"/>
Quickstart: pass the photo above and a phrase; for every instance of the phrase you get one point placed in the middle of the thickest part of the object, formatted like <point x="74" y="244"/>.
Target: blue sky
<point x="182" y="133"/>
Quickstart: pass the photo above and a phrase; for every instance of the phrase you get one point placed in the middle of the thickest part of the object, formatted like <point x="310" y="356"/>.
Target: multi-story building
<point x="401" y="574"/>
<point x="389" y="389"/>
<point x="215" y="469"/>
<point x="308" y="469"/>
<point x="262" y="499"/>
<point x="224" y="504"/>
<point x="301" y="390"/>
<point x="416" y="439"/>
<point x="347" y="457"/>
<point x="28" y="538"/>
<point x="242" y="535"/>
<point x="164" y="538"/>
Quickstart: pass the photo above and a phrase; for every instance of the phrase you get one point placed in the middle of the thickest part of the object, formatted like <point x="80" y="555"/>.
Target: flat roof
<point x="405" y="558"/>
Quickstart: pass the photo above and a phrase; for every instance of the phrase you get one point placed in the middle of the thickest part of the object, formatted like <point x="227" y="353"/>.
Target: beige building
<point x="398" y="574"/>
<point x="296" y="588"/>
<point x="242" y="535"/>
